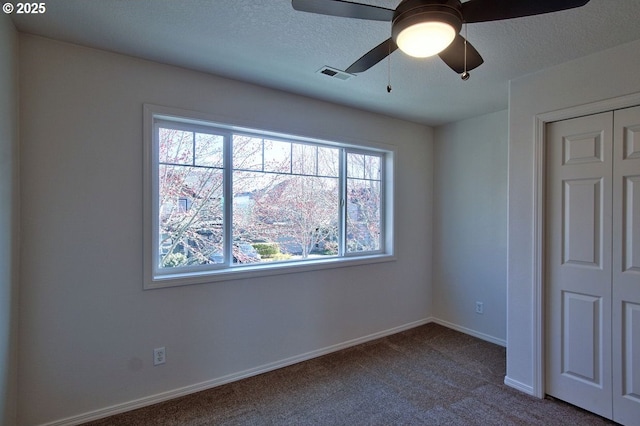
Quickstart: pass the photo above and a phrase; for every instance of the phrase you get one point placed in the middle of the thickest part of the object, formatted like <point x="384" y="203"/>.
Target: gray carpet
<point x="429" y="375"/>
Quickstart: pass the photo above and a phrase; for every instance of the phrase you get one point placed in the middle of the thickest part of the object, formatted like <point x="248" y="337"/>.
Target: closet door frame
<point x="539" y="126"/>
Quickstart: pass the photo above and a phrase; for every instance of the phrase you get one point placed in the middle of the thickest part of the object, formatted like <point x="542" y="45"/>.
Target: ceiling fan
<point x="423" y="28"/>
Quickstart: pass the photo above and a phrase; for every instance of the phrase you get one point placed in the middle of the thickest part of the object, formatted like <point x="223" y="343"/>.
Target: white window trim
<point x="150" y="159"/>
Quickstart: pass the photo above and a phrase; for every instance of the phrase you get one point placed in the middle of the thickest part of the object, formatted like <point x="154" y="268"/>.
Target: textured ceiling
<point x="268" y="43"/>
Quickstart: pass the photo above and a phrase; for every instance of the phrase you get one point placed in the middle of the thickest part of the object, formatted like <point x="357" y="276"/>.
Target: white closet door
<point x="578" y="262"/>
<point x="626" y="267"/>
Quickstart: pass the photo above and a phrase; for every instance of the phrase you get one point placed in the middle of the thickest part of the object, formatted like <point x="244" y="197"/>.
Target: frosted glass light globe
<point x="425" y="38"/>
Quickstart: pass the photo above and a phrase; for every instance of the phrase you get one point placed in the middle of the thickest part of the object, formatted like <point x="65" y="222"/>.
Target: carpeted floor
<point x="429" y="375"/>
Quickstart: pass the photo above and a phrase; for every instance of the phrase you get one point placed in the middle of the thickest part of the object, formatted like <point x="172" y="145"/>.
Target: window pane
<point x="355" y="165"/>
<point x="209" y="150"/>
<point x="247" y="186"/>
<point x="175" y="146"/>
<point x="372" y="167"/>
<point x="190" y="216"/>
<point x="284" y="217"/>
<point x="304" y="159"/>
<point x="328" y="162"/>
<point x="247" y="153"/>
<point x="277" y="156"/>
<point x="363" y="203"/>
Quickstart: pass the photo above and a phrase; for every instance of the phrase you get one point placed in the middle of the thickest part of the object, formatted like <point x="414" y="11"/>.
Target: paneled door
<point x="578" y="262"/>
<point x="592" y="263"/>
<point x="626" y="267"/>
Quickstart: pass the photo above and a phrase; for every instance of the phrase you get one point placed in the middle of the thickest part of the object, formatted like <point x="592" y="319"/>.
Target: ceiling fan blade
<point x="453" y="56"/>
<point x="344" y="9"/>
<point x="373" y="56"/>
<point x="495" y="10"/>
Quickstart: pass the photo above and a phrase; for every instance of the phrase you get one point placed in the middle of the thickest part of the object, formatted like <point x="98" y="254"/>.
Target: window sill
<point x="262" y="270"/>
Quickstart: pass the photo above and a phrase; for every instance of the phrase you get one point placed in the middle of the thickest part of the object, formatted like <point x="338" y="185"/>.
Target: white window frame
<point x="154" y="278"/>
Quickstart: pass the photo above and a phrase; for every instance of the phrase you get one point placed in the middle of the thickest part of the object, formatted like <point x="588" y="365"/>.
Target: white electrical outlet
<point x="159" y="356"/>
<point x="479" y="308"/>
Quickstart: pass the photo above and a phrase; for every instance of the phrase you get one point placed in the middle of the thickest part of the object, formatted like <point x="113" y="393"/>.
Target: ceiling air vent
<point x="335" y="73"/>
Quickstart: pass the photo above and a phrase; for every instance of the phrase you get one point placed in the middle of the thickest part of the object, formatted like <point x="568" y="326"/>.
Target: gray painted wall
<point x="470" y="224"/>
<point x="595" y="78"/>
<point x="87" y="329"/>
<point x="9" y="222"/>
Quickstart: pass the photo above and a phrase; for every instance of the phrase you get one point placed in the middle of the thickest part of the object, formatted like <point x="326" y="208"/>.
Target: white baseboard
<point x="528" y="389"/>
<point x="470" y="332"/>
<point x="165" y="396"/>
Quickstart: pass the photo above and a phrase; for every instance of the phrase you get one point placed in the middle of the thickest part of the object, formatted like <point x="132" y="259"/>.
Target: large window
<point x="225" y="200"/>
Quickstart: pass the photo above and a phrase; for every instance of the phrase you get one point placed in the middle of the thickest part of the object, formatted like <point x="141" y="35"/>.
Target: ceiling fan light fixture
<point x="422" y="28"/>
<point x="424" y="39"/>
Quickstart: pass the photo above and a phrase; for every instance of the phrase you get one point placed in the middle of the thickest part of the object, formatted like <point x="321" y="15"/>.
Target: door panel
<point x="581" y="336"/>
<point x="578" y="262"/>
<point x="631" y="223"/>
<point x="581" y="216"/>
<point x="583" y="148"/>
<point x="626" y="267"/>
<point x="631" y="339"/>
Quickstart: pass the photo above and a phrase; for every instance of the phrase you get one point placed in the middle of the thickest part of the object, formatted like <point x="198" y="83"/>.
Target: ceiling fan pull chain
<point x="465" y="75"/>
<point x="389" y="88"/>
